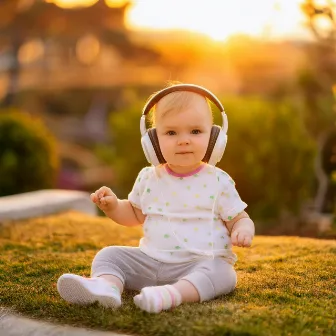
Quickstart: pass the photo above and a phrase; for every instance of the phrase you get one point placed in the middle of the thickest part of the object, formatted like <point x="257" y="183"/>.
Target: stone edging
<point x="15" y="325"/>
<point x="44" y="202"/>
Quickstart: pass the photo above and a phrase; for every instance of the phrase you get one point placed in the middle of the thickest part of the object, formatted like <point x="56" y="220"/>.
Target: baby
<point x="190" y="211"/>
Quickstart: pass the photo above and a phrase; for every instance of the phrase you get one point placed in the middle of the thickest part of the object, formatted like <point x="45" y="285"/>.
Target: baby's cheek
<point x="203" y="142"/>
<point x="203" y="148"/>
<point x="166" y="151"/>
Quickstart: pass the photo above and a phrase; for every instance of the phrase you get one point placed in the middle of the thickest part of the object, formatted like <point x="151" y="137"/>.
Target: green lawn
<point x="286" y="285"/>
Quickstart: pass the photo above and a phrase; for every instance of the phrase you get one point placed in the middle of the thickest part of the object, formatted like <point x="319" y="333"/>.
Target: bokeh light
<point x="85" y="3"/>
<point x="87" y="49"/>
<point x="31" y="51"/>
<point x="72" y="3"/>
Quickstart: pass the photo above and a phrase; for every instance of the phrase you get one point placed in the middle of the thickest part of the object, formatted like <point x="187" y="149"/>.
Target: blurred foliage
<point x="315" y="10"/>
<point x="28" y="155"/>
<point x="269" y="154"/>
<point x="127" y="154"/>
<point x="318" y="112"/>
<point x="317" y="79"/>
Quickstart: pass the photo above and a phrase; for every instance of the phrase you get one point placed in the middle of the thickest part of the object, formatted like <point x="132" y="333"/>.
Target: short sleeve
<point x="229" y="202"/>
<point x="135" y="195"/>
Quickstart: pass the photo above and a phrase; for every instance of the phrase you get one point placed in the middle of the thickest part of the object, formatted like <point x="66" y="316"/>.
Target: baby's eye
<point x="171" y="133"/>
<point x="196" y="131"/>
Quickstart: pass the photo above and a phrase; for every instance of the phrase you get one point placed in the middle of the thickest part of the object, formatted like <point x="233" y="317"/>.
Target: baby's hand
<point x="241" y="238"/>
<point x="104" y="198"/>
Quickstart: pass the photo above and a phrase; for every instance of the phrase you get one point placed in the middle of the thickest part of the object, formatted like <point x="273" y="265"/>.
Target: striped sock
<point x="158" y="298"/>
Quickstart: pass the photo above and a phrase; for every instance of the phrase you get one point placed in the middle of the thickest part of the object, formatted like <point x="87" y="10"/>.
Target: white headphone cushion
<point x="148" y="149"/>
<point x="219" y="148"/>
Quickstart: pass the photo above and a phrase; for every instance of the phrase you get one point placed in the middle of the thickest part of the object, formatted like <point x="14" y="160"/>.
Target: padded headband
<point x="182" y="87"/>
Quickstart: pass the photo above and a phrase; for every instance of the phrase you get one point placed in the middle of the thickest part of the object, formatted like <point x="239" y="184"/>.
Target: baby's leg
<point x="206" y="280"/>
<point x="106" y="265"/>
<point x="210" y="278"/>
<point x="188" y="291"/>
<point x="125" y="267"/>
<point x="112" y="267"/>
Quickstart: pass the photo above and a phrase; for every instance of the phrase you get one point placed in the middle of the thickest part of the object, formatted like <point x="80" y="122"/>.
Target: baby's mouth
<point x="184" y="153"/>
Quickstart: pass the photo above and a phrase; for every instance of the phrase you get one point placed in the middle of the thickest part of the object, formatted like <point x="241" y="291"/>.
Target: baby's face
<point x="184" y="135"/>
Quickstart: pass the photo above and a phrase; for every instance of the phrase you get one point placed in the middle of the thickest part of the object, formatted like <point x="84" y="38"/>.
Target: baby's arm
<point x="120" y="211"/>
<point x="242" y="230"/>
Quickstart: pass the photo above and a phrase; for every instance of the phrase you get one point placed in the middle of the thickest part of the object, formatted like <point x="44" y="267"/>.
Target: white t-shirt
<point x="184" y="213"/>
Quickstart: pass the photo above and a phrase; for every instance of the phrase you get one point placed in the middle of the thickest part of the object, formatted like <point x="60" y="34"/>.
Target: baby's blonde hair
<point x="174" y="102"/>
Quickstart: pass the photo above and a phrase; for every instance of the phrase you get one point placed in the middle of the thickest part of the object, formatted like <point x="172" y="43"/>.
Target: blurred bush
<point x="28" y="156"/>
<point x="127" y="157"/>
<point x="318" y="100"/>
<point x="269" y="153"/>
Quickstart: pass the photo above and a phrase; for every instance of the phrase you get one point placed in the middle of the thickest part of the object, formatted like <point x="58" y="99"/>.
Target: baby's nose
<point x="183" y="141"/>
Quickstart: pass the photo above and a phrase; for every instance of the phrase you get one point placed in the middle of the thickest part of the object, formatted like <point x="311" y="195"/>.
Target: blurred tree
<point x="314" y="12"/>
<point x="317" y="81"/>
<point x="22" y="20"/>
<point x="319" y="76"/>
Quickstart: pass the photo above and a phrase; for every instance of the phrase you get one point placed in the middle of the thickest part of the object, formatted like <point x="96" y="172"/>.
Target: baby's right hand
<point x="104" y="198"/>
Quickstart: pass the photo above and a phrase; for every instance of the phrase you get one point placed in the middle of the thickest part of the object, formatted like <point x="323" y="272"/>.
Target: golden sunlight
<point x="219" y="19"/>
<point x="72" y="3"/>
<point x="85" y="3"/>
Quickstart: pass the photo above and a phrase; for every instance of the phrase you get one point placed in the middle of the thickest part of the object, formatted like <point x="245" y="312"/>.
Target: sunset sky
<point x="218" y="19"/>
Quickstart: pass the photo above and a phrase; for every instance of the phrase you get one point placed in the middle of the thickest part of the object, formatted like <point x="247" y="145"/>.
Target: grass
<point x="286" y="285"/>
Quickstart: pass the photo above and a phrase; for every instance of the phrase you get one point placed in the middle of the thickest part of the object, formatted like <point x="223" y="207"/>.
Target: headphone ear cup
<point x="151" y="147"/>
<point x="216" y="147"/>
<point x="148" y="149"/>
<point x="219" y="147"/>
<point x="155" y="142"/>
<point x="212" y="141"/>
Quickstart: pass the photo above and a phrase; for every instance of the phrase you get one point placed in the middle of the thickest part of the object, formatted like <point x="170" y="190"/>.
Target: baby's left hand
<point x="241" y="238"/>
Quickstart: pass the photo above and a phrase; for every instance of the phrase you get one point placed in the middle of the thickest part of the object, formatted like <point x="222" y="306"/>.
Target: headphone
<point x="218" y="136"/>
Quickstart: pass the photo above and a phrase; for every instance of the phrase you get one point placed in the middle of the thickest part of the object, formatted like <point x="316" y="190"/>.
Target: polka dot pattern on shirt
<point x="185" y="204"/>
